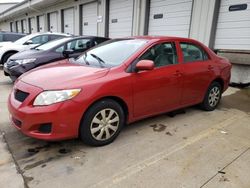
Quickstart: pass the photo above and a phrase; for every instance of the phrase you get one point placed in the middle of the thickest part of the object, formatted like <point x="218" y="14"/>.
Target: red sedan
<point x="117" y="82"/>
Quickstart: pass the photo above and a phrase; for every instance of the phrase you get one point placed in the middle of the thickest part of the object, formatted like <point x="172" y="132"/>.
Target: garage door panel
<point x="41" y="27"/>
<point x="233" y="47"/>
<point x="232" y="32"/>
<point x="171" y="21"/>
<point x="232" y="2"/>
<point x="172" y="33"/>
<point x="169" y="17"/>
<point x="235" y="24"/>
<point x="173" y="8"/>
<point x="68" y="21"/>
<point x="161" y="3"/>
<point x="233" y="27"/>
<point x="32" y="25"/>
<point x="234" y="16"/>
<point x="53" y="22"/>
<point x="120" y="18"/>
<point x="89" y="19"/>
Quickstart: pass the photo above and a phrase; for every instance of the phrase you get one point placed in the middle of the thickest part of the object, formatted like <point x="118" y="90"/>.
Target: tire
<point x="212" y="97"/>
<point x="96" y="130"/>
<point x="7" y="56"/>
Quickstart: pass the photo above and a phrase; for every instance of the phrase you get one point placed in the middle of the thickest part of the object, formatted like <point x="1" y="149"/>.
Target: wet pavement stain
<point x="28" y="179"/>
<point x="223" y="179"/>
<point x="38" y="163"/>
<point x="158" y="127"/>
<point x="239" y="100"/>
<point x="64" y="151"/>
<point x="169" y="133"/>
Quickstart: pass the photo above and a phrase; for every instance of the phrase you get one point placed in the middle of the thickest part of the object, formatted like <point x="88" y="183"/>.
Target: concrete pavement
<point x="192" y="149"/>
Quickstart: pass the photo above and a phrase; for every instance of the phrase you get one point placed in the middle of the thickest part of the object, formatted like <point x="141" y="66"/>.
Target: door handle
<point x="210" y="67"/>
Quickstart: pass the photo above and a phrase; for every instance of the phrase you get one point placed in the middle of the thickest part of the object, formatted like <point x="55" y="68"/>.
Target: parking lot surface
<point x="190" y="148"/>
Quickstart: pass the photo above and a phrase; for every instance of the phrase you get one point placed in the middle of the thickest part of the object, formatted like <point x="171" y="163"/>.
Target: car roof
<point x="147" y="37"/>
<point x="88" y="36"/>
<point x="12" y="33"/>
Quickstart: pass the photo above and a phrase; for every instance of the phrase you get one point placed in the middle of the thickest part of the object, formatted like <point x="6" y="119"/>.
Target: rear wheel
<point x="102" y="123"/>
<point x="212" y="97"/>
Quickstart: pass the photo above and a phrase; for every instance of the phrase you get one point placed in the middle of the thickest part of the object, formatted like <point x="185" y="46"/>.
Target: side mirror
<point x="66" y="53"/>
<point x="145" y="65"/>
<point x="28" y="42"/>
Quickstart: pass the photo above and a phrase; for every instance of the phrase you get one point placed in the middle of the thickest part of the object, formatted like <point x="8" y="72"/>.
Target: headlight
<point x="25" y="61"/>
<point x="51" y="97"/>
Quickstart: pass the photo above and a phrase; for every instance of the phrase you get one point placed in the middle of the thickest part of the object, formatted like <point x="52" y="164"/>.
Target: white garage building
<point x="223" y="25"/>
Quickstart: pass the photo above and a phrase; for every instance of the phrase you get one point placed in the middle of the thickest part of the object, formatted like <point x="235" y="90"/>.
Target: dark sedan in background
<point x="10" y="36"/>
<point x="70" y="47"/>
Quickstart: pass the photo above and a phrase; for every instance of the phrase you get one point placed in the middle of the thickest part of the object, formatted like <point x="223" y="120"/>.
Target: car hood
<point x="62" y="75"/>
<point x="28" y="54"/>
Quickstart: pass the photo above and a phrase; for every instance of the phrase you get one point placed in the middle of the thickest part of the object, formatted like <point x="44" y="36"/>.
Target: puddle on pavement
<point x="239" y="100"/>
<point x="30" y="153"/>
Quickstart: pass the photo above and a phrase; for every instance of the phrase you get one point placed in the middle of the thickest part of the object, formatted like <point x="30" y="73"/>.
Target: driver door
<point x="158" y="90"/>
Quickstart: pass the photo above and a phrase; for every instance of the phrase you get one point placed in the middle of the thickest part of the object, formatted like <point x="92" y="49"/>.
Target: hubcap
<point x="105" y="124"/>
<point x="214" y="96"/>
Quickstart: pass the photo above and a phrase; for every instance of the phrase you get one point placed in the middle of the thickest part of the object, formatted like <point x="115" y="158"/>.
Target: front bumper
<point x="17" y="69"/>
<point x="64" y="117"/>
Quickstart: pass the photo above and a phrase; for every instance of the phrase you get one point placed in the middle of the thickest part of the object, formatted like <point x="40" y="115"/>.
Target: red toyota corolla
<point x="118" y="82"/>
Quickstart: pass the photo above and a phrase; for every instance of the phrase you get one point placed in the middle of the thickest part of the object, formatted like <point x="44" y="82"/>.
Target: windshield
<point x="24" y="39"/>
<point x="51" y="44"/>
<point x="111" y="53"/>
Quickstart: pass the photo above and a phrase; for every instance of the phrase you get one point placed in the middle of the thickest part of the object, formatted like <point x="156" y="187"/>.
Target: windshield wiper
<point x="100" y="61"/>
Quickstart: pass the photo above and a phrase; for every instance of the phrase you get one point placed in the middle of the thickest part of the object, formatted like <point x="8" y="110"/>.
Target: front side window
<point x="1" y="37"/>
<point x="161" y="54"/>
<point x="192" y="53"/>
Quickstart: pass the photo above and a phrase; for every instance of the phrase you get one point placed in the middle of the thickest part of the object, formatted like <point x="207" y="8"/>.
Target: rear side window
<point x="53" y="37"/>
<point x="100" y="40"/>
<point x="192" y="53"/>
<point x="1" y="37"/>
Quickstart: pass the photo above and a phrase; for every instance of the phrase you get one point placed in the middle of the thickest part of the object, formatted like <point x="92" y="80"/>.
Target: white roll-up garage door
<point x="170" y="17"/>
<point x="120" y="18"/>
<point x="24" y="26"/>
<point x="233" y="27"/>
<point x="18" y="26"/>
<point x="53" y="23"/>
<point x="89" y="19"/>
<point x="68" y="21"/>
<point x="32" y="25"/>
<point x="40" y="22"/>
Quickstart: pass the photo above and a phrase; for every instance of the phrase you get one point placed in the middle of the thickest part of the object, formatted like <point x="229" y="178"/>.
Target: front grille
<point x="17" y="122"/>
<point x="21" y="95"/>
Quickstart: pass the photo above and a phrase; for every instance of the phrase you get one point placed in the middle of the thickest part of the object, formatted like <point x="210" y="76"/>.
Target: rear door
<point x="197" y="72"/>
<point x="158" y="90"/>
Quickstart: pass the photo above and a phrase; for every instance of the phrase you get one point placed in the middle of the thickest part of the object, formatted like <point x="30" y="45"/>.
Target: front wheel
<point x="102" y="123"/>
<point x="212" y="97"/>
